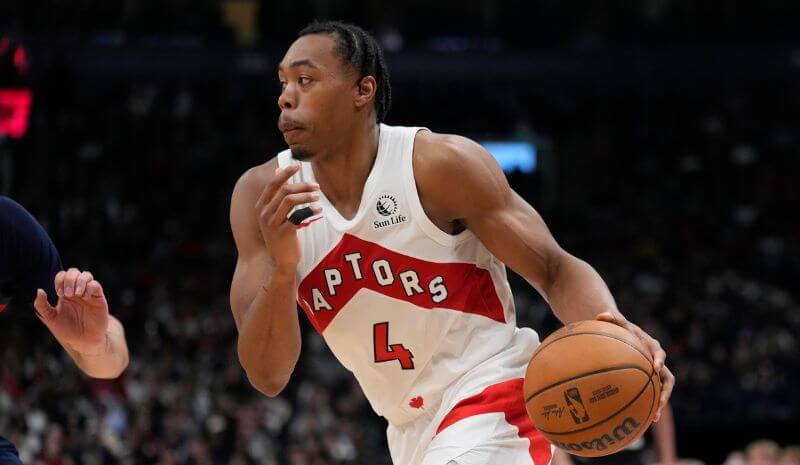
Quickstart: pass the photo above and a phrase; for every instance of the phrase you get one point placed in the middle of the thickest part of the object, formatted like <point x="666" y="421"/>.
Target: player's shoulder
<point x="15" y="215"/>
<point x="29" y="238"/>
<point x="252" y="182"/>
<point x="443" y="157"/>
<point x="443" y="148"/>
<point x="456" y="176"/>
<point x="246" y="192"/>
<point x="9" y="205"/>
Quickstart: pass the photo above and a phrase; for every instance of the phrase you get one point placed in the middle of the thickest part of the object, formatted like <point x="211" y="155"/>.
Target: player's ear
<point x="365" y="91"/>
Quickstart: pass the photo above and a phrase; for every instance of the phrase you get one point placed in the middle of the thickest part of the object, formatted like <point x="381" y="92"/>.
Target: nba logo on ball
<point x="575" y="404"/>
<point x="387" y="209"/>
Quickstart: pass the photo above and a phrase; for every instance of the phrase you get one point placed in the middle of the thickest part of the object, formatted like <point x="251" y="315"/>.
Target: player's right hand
<point x="273" y="207"/>
<point x="80" y="319"/>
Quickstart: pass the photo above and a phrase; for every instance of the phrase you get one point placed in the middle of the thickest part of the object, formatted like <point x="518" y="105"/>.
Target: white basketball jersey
<point x="408" y="308"/>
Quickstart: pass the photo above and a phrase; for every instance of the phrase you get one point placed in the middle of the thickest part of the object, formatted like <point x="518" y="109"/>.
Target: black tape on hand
<point x="300" y="215"/>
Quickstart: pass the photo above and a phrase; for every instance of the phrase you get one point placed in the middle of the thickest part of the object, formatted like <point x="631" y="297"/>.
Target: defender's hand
<point x="80" y="318"/>
<point x="273" y="207"/>
<point x="658" y="354"/>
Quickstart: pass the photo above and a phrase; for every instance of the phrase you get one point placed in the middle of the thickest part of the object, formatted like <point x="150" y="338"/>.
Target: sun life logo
<point x="387" y="205"/>
<point x="388" y="212"/>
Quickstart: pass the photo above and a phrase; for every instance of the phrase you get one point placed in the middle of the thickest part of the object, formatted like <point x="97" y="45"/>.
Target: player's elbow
<point x="262" y="375"/>
<point x="120" y="367"/>
<point x="269" y="384"/>
<point x="110" y="371"/>
<point x="270" y="387"/>
<point x="125" y="360"/>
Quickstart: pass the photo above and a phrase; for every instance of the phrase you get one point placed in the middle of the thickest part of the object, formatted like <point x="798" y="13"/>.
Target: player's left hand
<point x="80" y="318"/>
<point x="658" y="354"/>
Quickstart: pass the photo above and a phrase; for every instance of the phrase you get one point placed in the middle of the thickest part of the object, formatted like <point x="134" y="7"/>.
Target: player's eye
<point x="283" y="85"/>
<point x="303" y="80"/>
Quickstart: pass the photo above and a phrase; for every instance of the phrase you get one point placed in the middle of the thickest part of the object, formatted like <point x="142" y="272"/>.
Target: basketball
<point x="591" y="389"/>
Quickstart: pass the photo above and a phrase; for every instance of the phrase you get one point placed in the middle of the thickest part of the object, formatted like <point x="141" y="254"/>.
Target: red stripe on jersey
<point x="469" y="289"/>
<point x="303" y="225"/>
<point x="503" y="397"/>
<point x="2" y="307"/>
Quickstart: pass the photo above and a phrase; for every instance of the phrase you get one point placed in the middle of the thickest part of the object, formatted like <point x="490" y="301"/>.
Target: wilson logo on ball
<point x="575" y="404"/>
<point x="619" y="434"/>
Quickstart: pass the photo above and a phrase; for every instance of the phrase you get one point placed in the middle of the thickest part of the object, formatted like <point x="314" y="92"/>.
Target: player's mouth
<point x="288" y="126"/>
<point x="290" y="129"/>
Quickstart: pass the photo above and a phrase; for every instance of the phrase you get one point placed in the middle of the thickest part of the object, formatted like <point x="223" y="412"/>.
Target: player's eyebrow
<point x="302" y="62"/>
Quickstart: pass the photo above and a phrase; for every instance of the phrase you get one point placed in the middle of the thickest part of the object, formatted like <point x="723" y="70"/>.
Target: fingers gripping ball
<point x="591" y="389"/>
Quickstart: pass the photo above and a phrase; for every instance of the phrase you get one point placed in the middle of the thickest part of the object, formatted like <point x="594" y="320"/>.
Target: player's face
<point x="316" y="100"/>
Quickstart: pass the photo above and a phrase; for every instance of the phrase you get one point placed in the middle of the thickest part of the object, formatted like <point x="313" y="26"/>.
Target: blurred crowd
<point x="684" y="202"/>
<point x="765" y="452"/>
<point x="450" y="24"/>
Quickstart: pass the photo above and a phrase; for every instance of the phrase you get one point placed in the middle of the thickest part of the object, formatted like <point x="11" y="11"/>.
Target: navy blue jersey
<point x="28" y="258"/>
<point x="8" y="453"/>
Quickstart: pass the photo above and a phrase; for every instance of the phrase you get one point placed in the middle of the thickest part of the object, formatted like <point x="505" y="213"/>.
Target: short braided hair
<point x="361" y="51"/>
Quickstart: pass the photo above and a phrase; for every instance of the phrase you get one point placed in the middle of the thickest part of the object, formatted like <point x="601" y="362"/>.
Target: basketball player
<point x="397" y="259"/>
<point x="30" y="271"/>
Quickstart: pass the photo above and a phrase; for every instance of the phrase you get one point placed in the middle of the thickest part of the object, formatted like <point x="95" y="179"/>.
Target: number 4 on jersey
<point x="385" y="352"/>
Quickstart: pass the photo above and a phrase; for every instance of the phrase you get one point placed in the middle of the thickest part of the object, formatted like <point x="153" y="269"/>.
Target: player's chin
<point x="301" y="152"/>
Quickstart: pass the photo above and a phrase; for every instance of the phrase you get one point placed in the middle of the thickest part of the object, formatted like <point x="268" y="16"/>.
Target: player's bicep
<point x="517" y="235"/>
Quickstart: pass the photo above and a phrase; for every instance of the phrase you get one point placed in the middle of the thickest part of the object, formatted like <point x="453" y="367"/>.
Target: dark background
<point x="667" y="134"/>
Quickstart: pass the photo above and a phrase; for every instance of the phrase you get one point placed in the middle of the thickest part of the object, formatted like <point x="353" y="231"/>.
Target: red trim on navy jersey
<point x="470" y="289"/>
<point x="3" y="307"/>
<point x="503" y="397"/>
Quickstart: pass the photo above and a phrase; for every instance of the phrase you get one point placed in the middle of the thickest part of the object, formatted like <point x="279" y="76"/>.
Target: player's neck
<point x="343" y="171"/>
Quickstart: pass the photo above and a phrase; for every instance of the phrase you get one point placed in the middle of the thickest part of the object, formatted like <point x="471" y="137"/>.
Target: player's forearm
<point x="269" y="335"/>
<point x="110" y="359"/>
<point x="576" y="291"/>
<point x="664" y="434"/>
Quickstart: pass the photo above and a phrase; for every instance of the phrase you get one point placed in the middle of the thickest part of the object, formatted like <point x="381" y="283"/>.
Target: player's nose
<point x="285" y="100"/>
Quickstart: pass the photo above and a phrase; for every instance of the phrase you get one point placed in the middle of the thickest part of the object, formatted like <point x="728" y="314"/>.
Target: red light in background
<point x="20" y="60"/>
<point x="15" y="112"/>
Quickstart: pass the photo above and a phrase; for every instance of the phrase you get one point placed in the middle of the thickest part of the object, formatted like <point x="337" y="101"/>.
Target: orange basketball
<point x="591" y="389"/>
